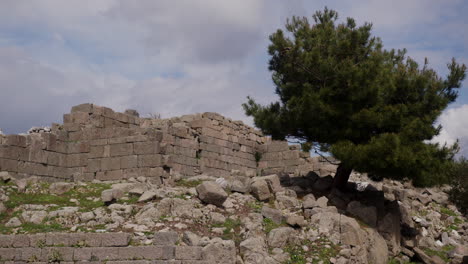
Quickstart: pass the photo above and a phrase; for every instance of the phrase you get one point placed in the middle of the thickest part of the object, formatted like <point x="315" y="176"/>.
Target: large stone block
<point x="96" y="152"/>
<point x="188" y="253"/>
<point x="151" y="160"/>
<point x="128" y="162"/>
<point x="78" y="147"/>
<point x="115" y="239"/>
<point x="123" y="149"/>
<point x="260" y="190"/>
<point x="150" y="147"/>
<point x="110" y="175"/>
<point x="77" y="160"/>
<point x="86" y="108"/>
<point x="211" y="193"/>
<point x="110" y="164"/>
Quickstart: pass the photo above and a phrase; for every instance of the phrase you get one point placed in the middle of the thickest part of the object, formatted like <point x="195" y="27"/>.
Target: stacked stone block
<point x="95" y="142"/>
<point x="105" y="248"/>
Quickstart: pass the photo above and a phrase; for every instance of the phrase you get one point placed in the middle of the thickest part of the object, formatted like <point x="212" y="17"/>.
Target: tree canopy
<point x="373" y="109"/>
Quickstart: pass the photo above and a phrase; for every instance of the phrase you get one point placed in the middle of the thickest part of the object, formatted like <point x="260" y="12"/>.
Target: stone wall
<point x="95" y="142"/>
<point x="107" y="248"/>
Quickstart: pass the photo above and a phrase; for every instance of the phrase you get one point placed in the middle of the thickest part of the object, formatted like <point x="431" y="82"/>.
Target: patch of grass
<point x="269" y="225"/>
<point x="5" y="230"/>
<point x="446" y="211"/>
<point x="317" y="251"/>
<point x="232" y="229"/>
<point x="9" y="183"/>
<point x="255" y="206"/>
<point x="187" y="183"/>
<point x="133" y="199"/>
<point x="41" y="228"/>
<point x="442" y="253"/>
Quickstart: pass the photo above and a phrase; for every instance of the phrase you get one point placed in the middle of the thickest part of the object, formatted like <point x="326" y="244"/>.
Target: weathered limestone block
<point x="128" y="162"/>
<point x="260" y="190"/>
<point x="110" y="164"/>
<point x="123" y="149"/>
<point x="151" y="160"/>
<point x="151" y="147"/>
<point x="86" y="108"/>
<point x="211" y="193"/>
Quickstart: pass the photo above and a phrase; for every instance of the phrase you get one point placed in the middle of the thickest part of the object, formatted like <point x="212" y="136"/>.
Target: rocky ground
<point x="270" y="219"/>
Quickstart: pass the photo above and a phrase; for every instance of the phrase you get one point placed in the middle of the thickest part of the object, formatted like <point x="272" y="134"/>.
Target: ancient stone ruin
<point x="108" y="187"/>
<point x="95" y="142"/>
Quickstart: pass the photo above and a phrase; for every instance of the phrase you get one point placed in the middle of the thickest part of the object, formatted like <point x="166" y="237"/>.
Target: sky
<point x="188" y="56"/>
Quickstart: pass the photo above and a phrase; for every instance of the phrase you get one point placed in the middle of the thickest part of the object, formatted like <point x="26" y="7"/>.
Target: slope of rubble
<point x="202" y="219"/>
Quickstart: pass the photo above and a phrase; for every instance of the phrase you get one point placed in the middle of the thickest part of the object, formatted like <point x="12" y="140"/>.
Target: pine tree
<point x="373" y="109"/>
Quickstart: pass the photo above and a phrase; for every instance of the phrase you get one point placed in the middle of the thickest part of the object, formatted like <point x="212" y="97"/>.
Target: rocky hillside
<point x="202" y="219"/>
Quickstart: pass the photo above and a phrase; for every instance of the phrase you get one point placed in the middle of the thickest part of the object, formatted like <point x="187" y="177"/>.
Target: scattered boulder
<point x="260" y="190"/>
<point x="273" y="182"/>
<point x="13" y="222"/>
<point x="368" y="214"/>
<point x="211" y="193"/>
<point x="110" y="195"/>
<point x="277" y="238"/>
<point x="60" y="188"/>
<point x="147" y="196"/>
<point x="273" y="214"/>
<point x="295" y="220"/>
<point x="35" y="217"/>
<point x="5" y="176"/>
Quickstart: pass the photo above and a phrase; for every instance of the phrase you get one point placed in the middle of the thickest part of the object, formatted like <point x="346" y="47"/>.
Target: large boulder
<point x="368" y="214"/>
<point x="260" y="190"/>
<point x="279" y="237"/>
<point x="273" y="182"/>
<point x="211" y="193"/>
<point x="274" y="214"/>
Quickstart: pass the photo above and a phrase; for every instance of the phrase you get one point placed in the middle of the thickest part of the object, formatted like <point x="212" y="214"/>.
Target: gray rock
<point x="260" y="190"/>
<point x="273" y="182"/>
<point x="5" y="176"/>
<point x="295" y="220"/>
<point x="13" y="222"/>
<point x="277" y="238"/>
<point x="211" y="193"/>
<point x="252" y="245"/>
<point x="308" y="201"/>
<point x="368" y="214"/>
<point x="136" y="191"/>
<point x="87" y="216"/>
<point x="217" y="218"/>
<point x="191" y="239"/>
<point x="322" y="202"/>
<point x="35" y="217"/>
<point x="147" y="196"/>
<point x="238" y="186"/>
<point x="272" y="214"/>
<point x="287" y="201"/>
<point x="165" y="238"/>
<point x="110" y="195"/>
<point x="60" y="187"/>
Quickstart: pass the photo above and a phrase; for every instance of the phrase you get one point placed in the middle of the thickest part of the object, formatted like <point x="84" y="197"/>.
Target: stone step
<point x="119" y="254"/>
<point x="65" y="240"/>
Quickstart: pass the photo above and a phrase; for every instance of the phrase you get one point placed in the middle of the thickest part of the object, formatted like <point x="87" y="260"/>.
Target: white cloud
<point x="455" y="126"/>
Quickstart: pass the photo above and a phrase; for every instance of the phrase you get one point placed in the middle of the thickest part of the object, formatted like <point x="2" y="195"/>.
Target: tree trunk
<point x="341" y="177"/>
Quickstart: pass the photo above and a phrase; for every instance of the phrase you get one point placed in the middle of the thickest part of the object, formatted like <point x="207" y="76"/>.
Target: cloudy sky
<point x="186" y="56"/>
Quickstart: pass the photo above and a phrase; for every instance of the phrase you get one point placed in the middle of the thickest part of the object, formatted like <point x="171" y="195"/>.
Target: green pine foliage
<point x="371" y="108"/>
<point x="459" y="183"/>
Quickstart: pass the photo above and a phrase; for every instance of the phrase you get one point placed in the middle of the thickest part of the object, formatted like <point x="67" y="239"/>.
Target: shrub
<point x="459" y="191"/>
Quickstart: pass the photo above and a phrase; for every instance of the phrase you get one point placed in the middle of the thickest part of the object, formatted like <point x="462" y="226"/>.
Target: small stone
<point x="322" y="202"/>
<point x="191" y="239"/>
<point x="13" y="222"/>
<point x="5" y="176"/>
<point x="60" y="188"/>
<point x="295" y="220"/>
<point x="272" y="214"/>
<point x="147" y="196"/>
